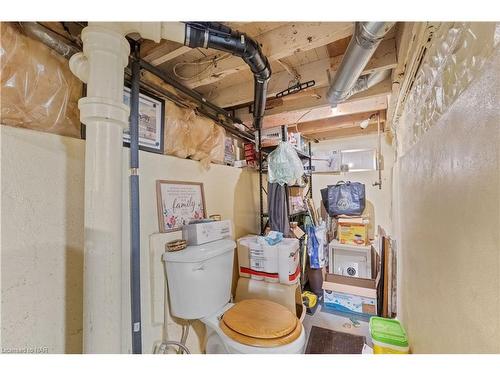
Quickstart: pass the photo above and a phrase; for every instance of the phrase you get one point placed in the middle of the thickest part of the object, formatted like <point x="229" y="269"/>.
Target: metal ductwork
<point x="217" y="36"/>
<point x="347" y="81"/>
<point x="369" y="80"/>
<point x="49" y="38"/>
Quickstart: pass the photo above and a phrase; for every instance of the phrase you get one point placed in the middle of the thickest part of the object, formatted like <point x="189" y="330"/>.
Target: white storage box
<point x="349" y="260"/>
<point x="275" y="264"/>
<point x="200" y="233"/>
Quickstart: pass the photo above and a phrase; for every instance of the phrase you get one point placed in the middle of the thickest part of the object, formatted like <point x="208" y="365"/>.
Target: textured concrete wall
<point x="42" y="241"/>
<point x="42" y="238"/>
<point x="449" y="198"/>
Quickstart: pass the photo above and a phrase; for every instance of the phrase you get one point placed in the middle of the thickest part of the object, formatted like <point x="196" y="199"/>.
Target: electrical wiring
<point x="212" y="63"/>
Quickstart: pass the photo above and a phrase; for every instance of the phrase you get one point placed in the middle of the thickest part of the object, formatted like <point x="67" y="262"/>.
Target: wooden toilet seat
<point x="262" y="323"/>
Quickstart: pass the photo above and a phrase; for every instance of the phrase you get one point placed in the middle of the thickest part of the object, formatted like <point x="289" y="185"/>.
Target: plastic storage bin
<point x="388" y="336"/>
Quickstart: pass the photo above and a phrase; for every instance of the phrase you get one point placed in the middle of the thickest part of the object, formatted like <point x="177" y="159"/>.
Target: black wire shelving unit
<point x="263" y="154"/>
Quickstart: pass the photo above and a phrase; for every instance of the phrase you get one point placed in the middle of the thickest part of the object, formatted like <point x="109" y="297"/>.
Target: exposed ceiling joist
<point x="279" y="43"/>
<point x="344" y="132"/>
<point x="315" y="106"/>
<point x="338" y="122"/>
<point x="384" y="58"/>
<point x="164" y="52"/>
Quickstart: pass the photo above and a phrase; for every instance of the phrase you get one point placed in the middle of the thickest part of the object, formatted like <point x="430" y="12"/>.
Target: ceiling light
<point x="364" y="124"/>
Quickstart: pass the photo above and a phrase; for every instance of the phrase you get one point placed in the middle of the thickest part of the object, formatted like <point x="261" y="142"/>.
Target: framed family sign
<point x="179" y="202"/>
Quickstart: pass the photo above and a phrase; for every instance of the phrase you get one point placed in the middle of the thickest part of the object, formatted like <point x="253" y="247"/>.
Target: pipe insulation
<point x="367" y="36"/>
<point x="220" y="37"/>
<point x="135" y="226"/>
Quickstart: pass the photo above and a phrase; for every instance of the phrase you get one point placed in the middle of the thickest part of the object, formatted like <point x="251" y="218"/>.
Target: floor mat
<point x="326" y="341"/>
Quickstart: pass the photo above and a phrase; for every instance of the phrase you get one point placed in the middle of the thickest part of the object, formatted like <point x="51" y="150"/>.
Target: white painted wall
<point x="449" y="226"/>
<point x="42" y="237"/>
<point x="380" y="199"/>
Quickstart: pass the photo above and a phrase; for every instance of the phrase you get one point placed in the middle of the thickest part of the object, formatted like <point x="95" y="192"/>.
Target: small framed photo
<point x="151" y="122"/>
<point x="179" y="203"/>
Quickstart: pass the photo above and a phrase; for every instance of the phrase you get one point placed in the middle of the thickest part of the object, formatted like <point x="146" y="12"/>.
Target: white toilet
<point x="199" y="284"/>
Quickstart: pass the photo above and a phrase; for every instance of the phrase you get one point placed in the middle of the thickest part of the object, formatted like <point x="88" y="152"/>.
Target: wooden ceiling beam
<point x="338" y="122"/>
<point x="316" y="106"/>
<point x="165" y="51"/>
<point x="279" y="43"/>
<point x="384" y="58"/>
<point x="344" y="133"/>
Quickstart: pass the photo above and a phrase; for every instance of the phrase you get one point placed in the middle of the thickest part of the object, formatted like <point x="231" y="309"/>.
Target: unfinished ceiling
<point x="298" y="52"/>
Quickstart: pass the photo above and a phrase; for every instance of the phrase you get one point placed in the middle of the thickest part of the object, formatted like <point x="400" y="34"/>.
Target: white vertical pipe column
<point x="101" y="66"/>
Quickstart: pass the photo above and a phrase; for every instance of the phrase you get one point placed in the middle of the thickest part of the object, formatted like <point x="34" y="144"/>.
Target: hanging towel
<point x="278" y="208"/>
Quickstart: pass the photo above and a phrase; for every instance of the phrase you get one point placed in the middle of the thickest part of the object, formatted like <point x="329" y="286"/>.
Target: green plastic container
<point x="388" y="336"/>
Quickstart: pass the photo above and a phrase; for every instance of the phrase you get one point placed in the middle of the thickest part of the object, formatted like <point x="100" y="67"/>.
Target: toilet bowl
<point x="199" y="283"/>
<point x="218" y="342"/>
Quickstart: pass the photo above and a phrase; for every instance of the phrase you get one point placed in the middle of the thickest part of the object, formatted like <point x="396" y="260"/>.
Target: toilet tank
<point x="199" y="278"/>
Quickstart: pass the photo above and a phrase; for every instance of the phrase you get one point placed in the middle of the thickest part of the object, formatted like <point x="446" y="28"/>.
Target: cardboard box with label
<point x="353" y="294"/>
<point x="296" y="198"/>
<point x="352" y="233"/>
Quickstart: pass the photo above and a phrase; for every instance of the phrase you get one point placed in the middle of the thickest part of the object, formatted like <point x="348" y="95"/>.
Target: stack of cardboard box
<point x="351" y="286"/>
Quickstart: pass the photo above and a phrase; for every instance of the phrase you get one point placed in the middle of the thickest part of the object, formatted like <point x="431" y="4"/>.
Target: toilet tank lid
<point x="200" y="253"/>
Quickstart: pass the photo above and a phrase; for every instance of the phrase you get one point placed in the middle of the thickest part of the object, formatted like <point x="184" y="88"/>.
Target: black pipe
<point x="204" y="103"/>
<point x="185" y="90"/>
<point x="217" y="36"/>
<point x="135" y="233"/>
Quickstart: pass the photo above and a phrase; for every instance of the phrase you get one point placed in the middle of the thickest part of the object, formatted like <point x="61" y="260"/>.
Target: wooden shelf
<point x="301" y="154"/>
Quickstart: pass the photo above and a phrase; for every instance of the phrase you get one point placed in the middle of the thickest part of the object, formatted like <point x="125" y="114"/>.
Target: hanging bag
<point x="344" y="198"/>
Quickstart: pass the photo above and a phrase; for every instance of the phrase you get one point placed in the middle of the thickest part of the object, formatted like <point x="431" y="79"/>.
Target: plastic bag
<point x="38" y="90"/>
<point x="344" y="198"/>
<point x="188" y="135"/>
<point x="285" y="166"/>
<point x="317" y="246"/>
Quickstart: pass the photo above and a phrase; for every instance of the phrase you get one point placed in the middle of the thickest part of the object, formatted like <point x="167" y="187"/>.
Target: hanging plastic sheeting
<point x="455" y="57"/>
<point x="285" y="166"/>
<point x="317" y="246"/>
<point x="188" y="135"/>
<point x="38" y="90"/>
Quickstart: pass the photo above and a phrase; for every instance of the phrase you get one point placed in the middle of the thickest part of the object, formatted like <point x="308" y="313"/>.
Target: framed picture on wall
<point x="151" y="121"/>
<point x="179" y="202"/>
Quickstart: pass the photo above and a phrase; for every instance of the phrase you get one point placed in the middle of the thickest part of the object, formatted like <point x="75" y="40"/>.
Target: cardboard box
<point x="297" y="232"/>
<point x="296" y="191"/>
<point x="200" y="233"/>
<point x="353" y="294"/>
<point x="296" y="199"/>
<point x="352" y="233"/>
